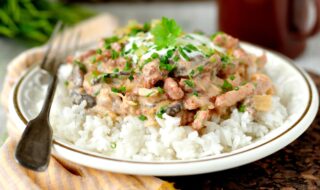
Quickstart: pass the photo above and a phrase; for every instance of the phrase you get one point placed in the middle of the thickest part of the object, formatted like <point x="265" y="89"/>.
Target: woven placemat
<point x="295" y="167"/>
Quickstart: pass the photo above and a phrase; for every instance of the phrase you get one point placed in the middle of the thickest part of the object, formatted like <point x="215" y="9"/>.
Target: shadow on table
<point x="295" y="167"/>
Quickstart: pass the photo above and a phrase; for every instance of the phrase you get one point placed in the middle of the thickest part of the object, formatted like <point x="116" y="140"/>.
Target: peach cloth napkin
<point x="62" y="174"/>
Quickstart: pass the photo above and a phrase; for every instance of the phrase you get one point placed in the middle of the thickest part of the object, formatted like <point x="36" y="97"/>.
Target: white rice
<point x="131" y="139"/>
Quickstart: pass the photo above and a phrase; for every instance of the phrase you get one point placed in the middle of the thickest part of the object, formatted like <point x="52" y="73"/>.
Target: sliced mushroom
<point x="80" y="97"/>
<point x="174" y="108"/>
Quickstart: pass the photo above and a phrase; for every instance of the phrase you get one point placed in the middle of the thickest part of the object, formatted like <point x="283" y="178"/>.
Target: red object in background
<point x="275" y="24"/>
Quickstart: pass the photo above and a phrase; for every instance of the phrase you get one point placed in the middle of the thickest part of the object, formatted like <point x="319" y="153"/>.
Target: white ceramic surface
<point x="298" y="93"/>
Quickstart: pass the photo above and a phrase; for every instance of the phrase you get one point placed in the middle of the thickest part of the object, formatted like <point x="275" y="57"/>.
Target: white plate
<point x="297" y="90"/>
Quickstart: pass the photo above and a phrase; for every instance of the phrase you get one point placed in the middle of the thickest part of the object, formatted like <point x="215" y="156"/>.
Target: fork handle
<point x="34" y="148"/>
<point x="49" y="97"/>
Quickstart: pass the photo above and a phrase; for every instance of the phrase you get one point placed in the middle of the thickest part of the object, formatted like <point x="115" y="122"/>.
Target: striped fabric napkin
<point x="62" y="174"/>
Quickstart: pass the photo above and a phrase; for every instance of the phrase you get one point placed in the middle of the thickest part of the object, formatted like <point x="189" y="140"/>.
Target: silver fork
<point x="34" y="148"/>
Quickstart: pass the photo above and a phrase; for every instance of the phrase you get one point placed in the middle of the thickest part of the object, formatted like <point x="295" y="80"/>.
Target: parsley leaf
<point x="166" y="32"/>
<point x="200" y="68"/>
<point x="165" y="65"/>
<point x="183" y="54"/>
<point x="232" y="77"/>
<point x="109" y="41"/>
<point x="242" y="108"/>
<point x="226" y="86"/>
<point x="142" y="117"/>
<point x="121" y="89"/>
<point x="160" y="90"/>
<point x="161" y="112"/>
<point x="114" y="54"/>
<point x="189" y="83"/>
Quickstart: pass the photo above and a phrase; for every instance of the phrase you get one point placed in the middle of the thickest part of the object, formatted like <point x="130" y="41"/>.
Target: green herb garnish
<point x="160" y="90"/>
<point x="232" y="77"/>
<point x="183" y="54"/>
<point x="109" y="41"/>
<point x="236" y="88"/>
<point x="131" y="77"/>
<point x="66" y="83"/>
<point x="142" y="117"/>
<point x="166" y="32"/>
<point x="195" y="93"/>
<point x="200" y="69"/>
<point x="99" y="51"/>
<point x="191" y="74"/>
<point x="114" y="54"/>
<point x="213" y="36"/>
<point x="226" y="86"/>
<point x="81" y="66"/>
<point x="191" y="48"/>
<point x="127" y="66"/>
<point x="116" y="70"/>
<point x="242" y="108"/>
<point x="170" y="53"/>
<point x="113" y="145"/>
<point x="225" y="61"/>
<point x="176" y="58"/>
<point x="189" y="83"/>
<point x="134" y="47"/>
<point x="121" y="89"/>
<point x="155" y="56"/>
<point x="165" y="65"/>
<point x="161" y="112"/>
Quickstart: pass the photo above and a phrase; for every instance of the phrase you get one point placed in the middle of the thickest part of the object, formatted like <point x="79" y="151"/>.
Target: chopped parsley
<point x="176" y="58"/>
<point x="191" y="74"/>
<point x="160" y="90"/>
<point x="66" y="83"/>
<point x="131" y="77"/>
<point x="213" y="36"/>
<point x="121" y="89"/>
<point x="166" y="32"/>
<point x="146" y="26"/>
<point x="165" y="65"/>
<point x="114" y="54"/>
<point x="113" y="145"/>
<point x="93" y="59"/>
<point x="225" y="61"/>
<point x="109" y="41"/>
<point x="161" y="112"/>
<point x="200" y="68"/>
<point x="81" y="66"/>
<point x="242" y="108"/>
<point x="116" y="70"/>
<point x="127" y="66"/>
<point x="170" y="53"/>
<point x="232" y="77"/>
<point x="183" y="54"/>
<point x="155" y="56"/>
<point x="134" y="47"/>
<point x="195" y="93"/>
<point x="99" y="51"/>
<point x="150" y="93"/>
<point x="226" y="86"/>
<point x="189" y="83"/>
<point x="142" y="117"/>
<point x="236" y="88"/>
<point x="190" y="48"/>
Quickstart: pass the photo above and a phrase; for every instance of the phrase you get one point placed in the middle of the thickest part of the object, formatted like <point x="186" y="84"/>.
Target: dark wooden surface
<point x="295" y="167"/>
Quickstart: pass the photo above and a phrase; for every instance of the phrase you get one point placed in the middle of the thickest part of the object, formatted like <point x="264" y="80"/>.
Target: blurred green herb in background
<point x="34" y="20"/>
